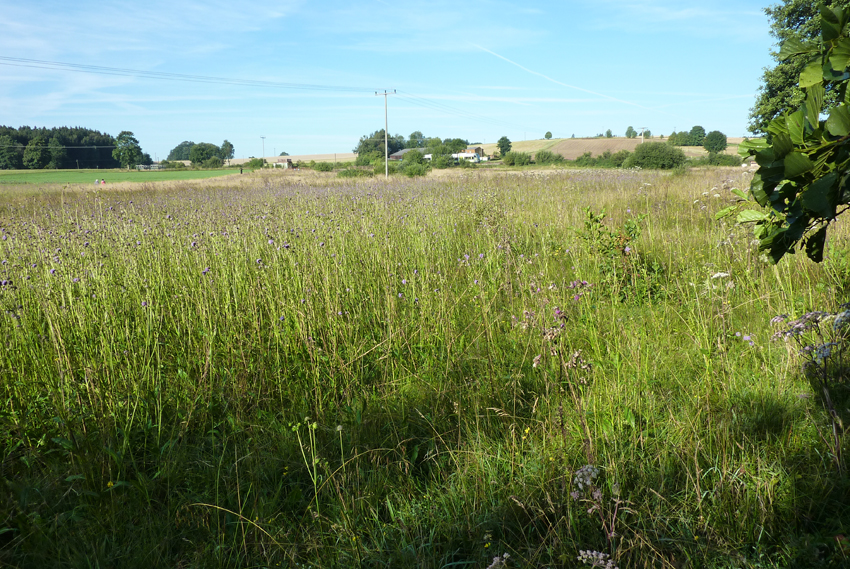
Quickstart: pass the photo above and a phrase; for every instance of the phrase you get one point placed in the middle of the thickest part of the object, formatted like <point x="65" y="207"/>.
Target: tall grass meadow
<point x="544" y="369"/>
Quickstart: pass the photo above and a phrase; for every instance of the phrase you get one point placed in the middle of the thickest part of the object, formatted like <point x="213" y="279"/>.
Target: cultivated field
<point x="275" y="371"/>
<point x="83" y="177"/>
<point x="572" y="148"/>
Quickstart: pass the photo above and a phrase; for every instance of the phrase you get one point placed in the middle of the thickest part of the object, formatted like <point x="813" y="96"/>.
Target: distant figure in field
<point x="97" y="182"/>
<point x="103" y="182"/>
<point x="240" y="169"/>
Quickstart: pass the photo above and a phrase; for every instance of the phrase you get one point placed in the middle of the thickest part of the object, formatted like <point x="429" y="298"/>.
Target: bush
<point x="443" y="162"/>
<point x="547" y="157"/>
<point x="716" y="159"/>
<point x="214" y="162"/>
<point x="323" y="167"/>
<point x="412" y="170"/>
<point x="464" y="163"/>
<point x="516" y="159"/>
<point x="414" y="157"/>
<point x="380" y="168"/>
<point x="254" y="163"/>
<point x="354" y="173"/>
<point x="172" y="164"/>
<point x="367" y="158"/>
<point x="656" y="156"/>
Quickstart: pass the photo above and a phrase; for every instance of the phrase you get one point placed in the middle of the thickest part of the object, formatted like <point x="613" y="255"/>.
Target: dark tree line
<point x="58" y="147"/>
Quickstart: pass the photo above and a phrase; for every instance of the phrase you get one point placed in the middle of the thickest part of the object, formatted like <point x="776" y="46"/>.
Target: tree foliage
<point x="35" y="154"/>
<point x="202" y="152"/>
<point x="375" y="143"/>
<point x="609" y="134"/>
<point x="548" y="135"/>
<point x="127" y="151"/>
<point x="11" y="157"/>
<point x="181" y="151"/>
<point x="227" y="150"/>
<point x="631" y="132"/>
<point x="80" y="146"/>
<point x="796" y="21"/>
<point x="504" y="145"/>
<point x="715" y="141"/>
<point x="803" y="179"/>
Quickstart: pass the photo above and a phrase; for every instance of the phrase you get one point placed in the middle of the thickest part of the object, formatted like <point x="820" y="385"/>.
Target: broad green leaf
<point x="751" y="216"/>
<point x="840" y="56"/>
<point x="795" y="126"/>
<point x="829" y="23"/>
<point x="814" y="104"/>
<point x="793" y="46"/>
<point x="758" y="191"/>
<point x="812" y="74"/>
<point x="782" y="143"/>
<point x="815" y="245"/>
<point x="751" y="146"/>
<point x="725" y="212"/>
<point x="818" y="198"/>
<point x="740" y="194"/>
<point x="797" y="163"/>
<point x="838" y="123"/>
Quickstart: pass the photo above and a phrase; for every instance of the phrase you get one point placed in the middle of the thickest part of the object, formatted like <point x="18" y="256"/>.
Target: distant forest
<point x="57" y="148"/>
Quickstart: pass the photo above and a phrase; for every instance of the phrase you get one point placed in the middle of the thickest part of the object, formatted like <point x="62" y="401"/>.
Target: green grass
<point x="111" y="176"/>
<point x="347" y="373"/>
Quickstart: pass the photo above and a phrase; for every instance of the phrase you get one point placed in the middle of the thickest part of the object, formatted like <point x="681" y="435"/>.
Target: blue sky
<point x="475" y="70"/>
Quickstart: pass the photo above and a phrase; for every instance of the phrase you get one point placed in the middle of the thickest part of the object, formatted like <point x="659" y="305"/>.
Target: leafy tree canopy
<point x="803" y="180"/>
<point x="11" y="157"/>
<point x="609" y="134"/>
<point x="202" y="152"/>
<point x="631" y="132"/>
<point x="181" y="151"/>
<point x="715" y="141"/>
<point x="375" y="143"/>
<point x="227" y="150"/>
<point x="796" y="21"/>
<point x="548" y="135"/>
<point x="504" y="145"/>
<point x="35" y="154"/>
<point x="127" y="150"/>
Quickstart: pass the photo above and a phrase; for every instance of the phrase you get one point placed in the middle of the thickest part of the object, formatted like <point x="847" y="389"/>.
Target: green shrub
<point x="323" y="167"/>
<point x="254" y="163"/>
<point x="391" y="168"/>
<point x="414" y="157"/>
<point x="367" y="158"/>
<point x="354" y="173"/>
<point x="412" y="170"/>
<point x="214" y="162"/>
<point x="717" y="159"/>
<point x="547" y="157"/>
<point x="465" y="163"/>
<point x="517" y="159"/>
<point x="442" y="162"/>
<point x="656" y="156"/>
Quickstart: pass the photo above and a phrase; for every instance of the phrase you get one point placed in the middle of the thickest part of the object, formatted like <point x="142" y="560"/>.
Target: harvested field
<point x="572" y="148"/>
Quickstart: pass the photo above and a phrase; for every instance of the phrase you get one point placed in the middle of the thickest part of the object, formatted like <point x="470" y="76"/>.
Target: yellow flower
<point x="110" y="484"/>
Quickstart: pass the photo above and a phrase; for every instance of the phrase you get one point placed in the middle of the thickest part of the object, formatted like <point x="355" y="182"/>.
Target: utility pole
<point x="642" y="129"/>
<point x="386" y="133"/>
<point x="264" y="148"/>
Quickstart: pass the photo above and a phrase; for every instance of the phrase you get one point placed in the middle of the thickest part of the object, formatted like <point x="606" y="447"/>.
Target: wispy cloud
<point x="561" y="83"/>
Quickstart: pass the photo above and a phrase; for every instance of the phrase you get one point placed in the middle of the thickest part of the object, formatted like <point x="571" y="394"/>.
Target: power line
<point x="419" y="100"/>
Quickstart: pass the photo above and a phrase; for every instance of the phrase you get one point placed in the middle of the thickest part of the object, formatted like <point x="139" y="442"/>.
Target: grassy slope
<point x="162" y="350"/>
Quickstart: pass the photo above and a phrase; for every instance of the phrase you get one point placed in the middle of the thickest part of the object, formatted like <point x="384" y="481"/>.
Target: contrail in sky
<point x="526" y="69"/>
